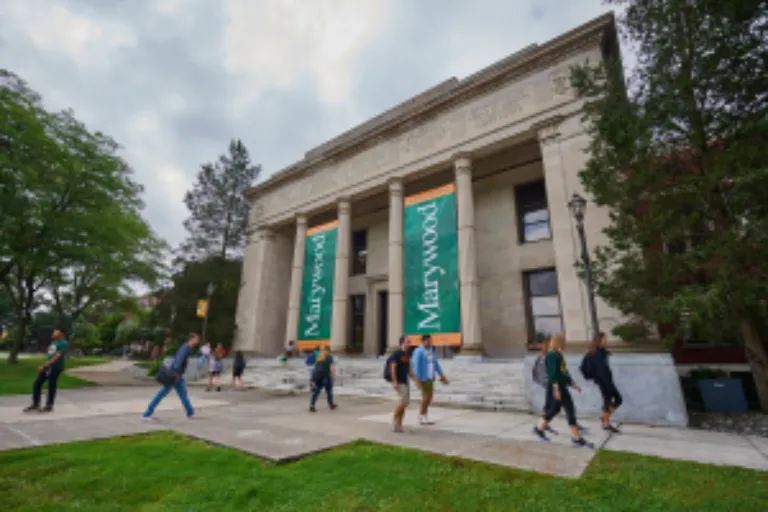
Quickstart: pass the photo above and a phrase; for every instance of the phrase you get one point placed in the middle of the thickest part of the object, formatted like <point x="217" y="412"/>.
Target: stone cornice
<point x="451" y="93"/>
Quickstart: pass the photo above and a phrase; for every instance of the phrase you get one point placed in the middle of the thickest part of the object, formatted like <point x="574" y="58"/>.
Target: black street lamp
<point x="578" y="206"/>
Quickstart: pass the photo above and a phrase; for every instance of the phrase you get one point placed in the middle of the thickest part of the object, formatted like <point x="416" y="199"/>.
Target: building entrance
<point x="383" y="321"/>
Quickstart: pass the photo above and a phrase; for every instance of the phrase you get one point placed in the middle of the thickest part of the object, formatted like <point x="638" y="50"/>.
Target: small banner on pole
<point x="202" y="308"/>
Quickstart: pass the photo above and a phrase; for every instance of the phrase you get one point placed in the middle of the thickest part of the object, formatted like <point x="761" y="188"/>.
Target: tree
<point x="218" y="210"/>
<point x="189" y="284"/>
<point x="72" y="225"/>
<point x="679" y="156"/>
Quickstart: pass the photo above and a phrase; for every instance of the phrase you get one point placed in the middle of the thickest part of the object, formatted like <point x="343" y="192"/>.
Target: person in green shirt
<point x="559" y="396"/>
<point x="50" y="371"/>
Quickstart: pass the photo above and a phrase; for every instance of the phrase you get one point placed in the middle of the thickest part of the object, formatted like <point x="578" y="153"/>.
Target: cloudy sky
<point x="174" y="80"/>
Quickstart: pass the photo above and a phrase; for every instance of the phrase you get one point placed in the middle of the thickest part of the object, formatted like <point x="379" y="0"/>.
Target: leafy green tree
<point x="72" y="224"/>
<point x="218" y="210"/>
<point x="190" y="284"/>
<point x="679" y="157"/>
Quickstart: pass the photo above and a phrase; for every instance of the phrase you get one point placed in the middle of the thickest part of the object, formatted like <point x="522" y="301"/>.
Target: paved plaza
<point x="279" y="428"/>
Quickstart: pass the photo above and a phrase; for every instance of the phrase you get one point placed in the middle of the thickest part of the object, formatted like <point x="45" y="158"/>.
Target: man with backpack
<point x="310" y="361"/>
<point x="397" y="369"/>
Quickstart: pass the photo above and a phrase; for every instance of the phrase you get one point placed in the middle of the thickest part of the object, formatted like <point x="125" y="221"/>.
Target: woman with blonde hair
<point x="559" y="396"/>
<point x="324" y="375"/>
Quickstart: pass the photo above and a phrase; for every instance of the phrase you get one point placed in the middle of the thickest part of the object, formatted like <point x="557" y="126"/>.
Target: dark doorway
<point x="356" y="325"/>
<point x="383" y="320"/>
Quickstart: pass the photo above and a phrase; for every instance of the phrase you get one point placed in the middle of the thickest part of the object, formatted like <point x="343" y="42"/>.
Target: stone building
<point x="446" y="214"/>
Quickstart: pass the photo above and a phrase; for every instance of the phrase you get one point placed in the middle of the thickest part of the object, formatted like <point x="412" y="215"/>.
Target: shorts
<point x="404" y="393"/>
<point x="427" y="386"/>
<point x="237" y="372"/>
<point x="214" y="374"/>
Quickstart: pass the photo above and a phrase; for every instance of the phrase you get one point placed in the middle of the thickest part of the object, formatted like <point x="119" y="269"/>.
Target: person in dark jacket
<point x="559" y="380"/>
<point x="179" y="366"/>
<point x="237" y="369"/>
<point x="604" y="380"/>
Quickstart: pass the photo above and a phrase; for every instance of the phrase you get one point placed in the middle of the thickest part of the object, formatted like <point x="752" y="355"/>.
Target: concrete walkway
<point x="280" y="428"/>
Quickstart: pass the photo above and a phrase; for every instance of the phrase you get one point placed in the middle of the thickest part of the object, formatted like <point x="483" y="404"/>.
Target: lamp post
<point x="578" y="205"/>
<point x="208" y="292"/>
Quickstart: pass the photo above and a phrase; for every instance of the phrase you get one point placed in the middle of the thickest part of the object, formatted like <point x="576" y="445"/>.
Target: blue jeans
<point x="181" y="390"/>
<point x="327" y="385"/>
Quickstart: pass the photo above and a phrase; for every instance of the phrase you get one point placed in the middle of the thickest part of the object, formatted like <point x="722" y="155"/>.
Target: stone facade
<point x="516" y="122"/>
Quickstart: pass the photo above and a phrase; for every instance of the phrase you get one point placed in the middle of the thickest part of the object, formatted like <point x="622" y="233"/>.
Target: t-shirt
<point x="206" y="350"/>
<point x="430" y="365"/>
<point x="58" y="346"/>
<point x="557" y="371"/>
<point x="402" y="365"/>
<point x="324" y="367"/>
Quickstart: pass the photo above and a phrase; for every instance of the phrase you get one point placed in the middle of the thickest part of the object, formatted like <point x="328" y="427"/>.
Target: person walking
<point x="179" y="367"/>
<point x="216" y="365"/>
<point x="603" y="377"/>
<point x="324" y="375"/>
<point x="50" y="372"/>
<point x="398" y="370"/>
<point x="237" y="370"/>
<point x="559" y="380"/>
<point x="426" y="368"/>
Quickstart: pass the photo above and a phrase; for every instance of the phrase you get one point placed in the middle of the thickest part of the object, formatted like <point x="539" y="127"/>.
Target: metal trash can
<point x="723" y="395"/>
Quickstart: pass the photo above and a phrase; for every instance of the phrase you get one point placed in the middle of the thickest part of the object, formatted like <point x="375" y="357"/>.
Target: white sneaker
<point x="424" y="420"/>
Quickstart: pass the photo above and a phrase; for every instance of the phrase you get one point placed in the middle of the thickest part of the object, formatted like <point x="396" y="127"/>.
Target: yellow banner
<point x="202" y="308"/>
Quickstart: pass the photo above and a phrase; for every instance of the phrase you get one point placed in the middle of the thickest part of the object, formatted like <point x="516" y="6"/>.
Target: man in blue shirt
<point x="179" y="366"/>
<point x="426" y="368"/>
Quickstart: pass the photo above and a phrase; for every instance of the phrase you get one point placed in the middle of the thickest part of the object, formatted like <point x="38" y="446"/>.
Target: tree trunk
<point x="757" y="357"/>
<point x="18" y="341"/>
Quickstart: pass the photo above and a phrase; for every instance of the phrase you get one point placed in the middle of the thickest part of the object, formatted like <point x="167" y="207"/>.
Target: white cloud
<point x="276" y="42"/>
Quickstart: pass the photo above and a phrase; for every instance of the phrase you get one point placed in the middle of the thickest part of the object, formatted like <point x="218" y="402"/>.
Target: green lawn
<point x="17" y="379"/>
<point x="167" y="472"/>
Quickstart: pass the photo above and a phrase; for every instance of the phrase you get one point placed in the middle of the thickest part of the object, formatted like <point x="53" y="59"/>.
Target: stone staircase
<point x="497" y="385"/>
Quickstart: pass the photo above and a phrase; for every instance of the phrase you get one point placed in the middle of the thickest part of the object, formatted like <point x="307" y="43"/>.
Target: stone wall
<point x="648" y="383"/>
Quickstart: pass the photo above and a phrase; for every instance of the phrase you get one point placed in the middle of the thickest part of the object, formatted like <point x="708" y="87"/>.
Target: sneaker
<point x="610" y="428"/>
<point x="397" y="428"/>
<point x="312" y="408"/>
<point x="582" y="443"/>
<point x="218" y="389"/>
<point x="333" y="407"/>
<point x="47" y="408"/>
<point x="582" y="428"/>
<point x="32" y="408"/>
<point x="552" y="431"/>
<point x="540" y="434"/>
<point x="424" y="420"/>
<point x="148" y="419"/>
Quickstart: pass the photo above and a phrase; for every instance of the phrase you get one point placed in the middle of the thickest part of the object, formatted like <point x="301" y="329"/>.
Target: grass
<point x="167" y="472"/>
<point x="17" y="379"/>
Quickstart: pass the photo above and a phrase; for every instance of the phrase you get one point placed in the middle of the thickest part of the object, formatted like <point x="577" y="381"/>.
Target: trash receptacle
<point x="723" y="395"/>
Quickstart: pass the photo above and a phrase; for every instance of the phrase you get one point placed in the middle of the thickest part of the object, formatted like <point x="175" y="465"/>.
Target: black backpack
<point x="320" y="373"/>
<point x="388" y="371"/>
<point x="587" y="367"/>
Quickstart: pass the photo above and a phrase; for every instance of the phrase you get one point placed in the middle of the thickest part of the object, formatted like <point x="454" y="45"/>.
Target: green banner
<point x="316" y="307"/>
<point x="430" y="266"/>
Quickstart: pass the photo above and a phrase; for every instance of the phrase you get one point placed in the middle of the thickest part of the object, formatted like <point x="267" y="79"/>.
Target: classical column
<point x="468" y="283"/>
<point x="395" y="326"/>
<point x="562" y="155"/>
<point x="297" y="275"/>
<point x="339" y="326"/>
<point x="252" y="301"/>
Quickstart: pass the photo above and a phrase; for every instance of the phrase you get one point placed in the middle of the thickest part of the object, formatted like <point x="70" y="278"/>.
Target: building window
<point x="359" y="251"/>
<point x="545" y="317"/>
<point x="532" y="212"/>
<point x="357" y="324"/>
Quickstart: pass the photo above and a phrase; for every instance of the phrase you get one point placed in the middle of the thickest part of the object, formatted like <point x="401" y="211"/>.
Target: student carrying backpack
<point x="588" y="366"/>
